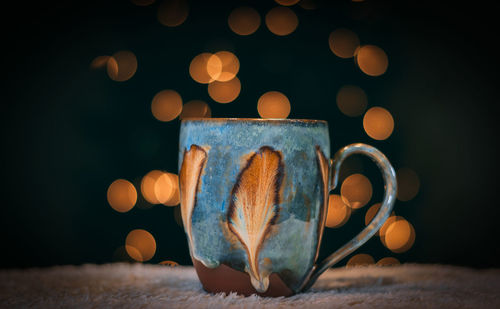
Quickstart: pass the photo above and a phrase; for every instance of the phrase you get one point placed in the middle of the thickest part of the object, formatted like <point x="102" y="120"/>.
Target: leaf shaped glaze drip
<point x="192" y="166"/>
<point x="323" y="167"/>
<point x="253" y="208"/>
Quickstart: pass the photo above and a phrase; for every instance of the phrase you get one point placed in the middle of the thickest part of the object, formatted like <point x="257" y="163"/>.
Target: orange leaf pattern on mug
<point x="323" y="169"/>
<point x="254" y="207"/>
<point x="192" y="166"/>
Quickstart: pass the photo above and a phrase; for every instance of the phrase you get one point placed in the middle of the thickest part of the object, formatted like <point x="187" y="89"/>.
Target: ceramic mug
<point x="254" y="200"/>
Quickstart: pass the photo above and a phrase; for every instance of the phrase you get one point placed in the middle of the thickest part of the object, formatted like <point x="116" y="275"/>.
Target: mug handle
<point x="387" y="204"/>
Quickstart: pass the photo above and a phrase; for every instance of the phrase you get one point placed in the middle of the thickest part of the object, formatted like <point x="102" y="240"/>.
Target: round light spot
<point x="287" y="2"/>
<point x="175" y="197"/>
<point x="164" y="188"/>
<point x="408" y="184"/>
<point x="122" y="195"/>
<point x="388" y="261"/>
<point x="372" y="60"/>
<point x="352" y="100"/>
<point x="400" y="236"/>
<point x="361" y="259"/>
<point x="357" y="189"/>
<point x="223" y="66"/>
<point x="338" y="211"/>
<point x="273" y="104"/>
<point x="169" y="263"/>
<point x="198" y="68"/>
<point x="172" y="13"/>
<point x="378" y="123"/>
<point x="140" y="245"/>
<point x="244" y="20"/>
<point x="386" y="225"/>
<point x="99" y="62"/>
<point x="224" y="92"/>
<point x="343" y="42"/>
<point x="166" y="105"/>
<point x="281" y="21"/>
<point x="195" y="109"/>
<point x="148" y="185"/>
<point x="371" y="212"/>
<point x="121" y="66"/>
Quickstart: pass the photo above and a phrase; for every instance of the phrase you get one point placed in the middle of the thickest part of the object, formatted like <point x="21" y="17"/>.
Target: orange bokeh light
<point x="198" y="68"/>
<point x="357" y="189"/>
<point x="99" y="62"/>
<point x="372" y="60"/>
<point x="408" y="184"/>
<point x="352" y="100"/>
<point x="223" y="66"/>
<point x="224" y="92"/>
<point x="140" y="245"/>
<point x="361" y="259"/>
<point x="343" y="42"/>
<point x="399" y="236"/>
<point x="338" y="211"/>
<point x="166" y="105"/>
<point x="172" y="13"/>
<point x="273" y="104"/>
<point x="159" y="187"/>
<point x="195" y="109"/>
<point x="388" y="261"/>
<point x="378" y="123"/>
<point x="281" y="21"/>
<point x="386" y="225"/>
<point x="244" y="20"/>
<point x="122" y="65"/>
<point x="122" y="195"/>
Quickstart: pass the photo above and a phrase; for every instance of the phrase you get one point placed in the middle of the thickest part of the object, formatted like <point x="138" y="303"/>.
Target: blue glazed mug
<point x="254" y="199"/>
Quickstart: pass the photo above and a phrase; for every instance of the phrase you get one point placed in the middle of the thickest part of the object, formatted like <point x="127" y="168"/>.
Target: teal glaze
<point x="292" y="244"/>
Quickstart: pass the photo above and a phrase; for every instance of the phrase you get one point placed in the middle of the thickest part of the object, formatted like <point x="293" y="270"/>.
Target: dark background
<point x="68" y="131"/>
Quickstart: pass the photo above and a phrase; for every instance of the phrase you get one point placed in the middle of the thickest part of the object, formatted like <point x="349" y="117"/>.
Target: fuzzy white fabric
<point x="155" y="286"/>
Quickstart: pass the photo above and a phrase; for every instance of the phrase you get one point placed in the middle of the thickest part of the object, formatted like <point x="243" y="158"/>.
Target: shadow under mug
<point x="254" y="200"/>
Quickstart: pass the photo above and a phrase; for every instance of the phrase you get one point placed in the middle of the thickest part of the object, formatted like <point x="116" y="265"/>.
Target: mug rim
<point x="233" y="119"/>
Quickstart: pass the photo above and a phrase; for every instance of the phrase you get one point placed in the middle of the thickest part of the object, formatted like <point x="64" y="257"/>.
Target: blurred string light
<point x="169" y="263"/>
<point x="281" y="21"/>
<point x="140" y="245"/>
<point x="158" y="187"/>
<point x="99" y="62"/>
<point x="372" y="60"/>
<point x="122" y="65"/>
<point x="399" y="236"/>
<point x="360" y="259"/>
<point x="172" y="13"/>
<point x="223" y="66"/>
<point x="357" y="190"/>
<point x="287" y="2"/>
<point x="308" y="4"/>
<point x="378" y="123"/>
<point x="142" y="2"/>
<point x="244" y="20"/>
<point x="388" y="261"/>
<point x="352" y="100"/>
<point x="224" y="92"/>
<point x="338" y="211"/>
<point x="197" y="109"/>
<point x="273" y="104"/>
<point x="408" y="184"/>
<point x="166" y="105"/>
<point x="122" y="195"/>
<point x="343" y="42"/>
<point x="198" y="68"/>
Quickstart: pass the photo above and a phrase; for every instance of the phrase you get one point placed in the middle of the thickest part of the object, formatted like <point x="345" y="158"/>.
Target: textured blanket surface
<point x="157" y="286"/>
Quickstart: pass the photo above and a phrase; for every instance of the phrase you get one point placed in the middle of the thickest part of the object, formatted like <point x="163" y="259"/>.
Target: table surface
<point x="157" y="286"/>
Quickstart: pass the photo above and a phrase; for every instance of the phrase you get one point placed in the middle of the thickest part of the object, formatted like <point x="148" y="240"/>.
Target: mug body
<point x="254" y="196"/>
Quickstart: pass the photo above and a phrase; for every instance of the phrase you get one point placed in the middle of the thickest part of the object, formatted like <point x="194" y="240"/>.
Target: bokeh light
<point x="386" y="225"/>
<point x="281" y="21"/>
<point x="172" y="13"/>
<point x="372" y="60"/>
<point x="99" y="62"/>
<point x="198" y="68"/>
<point x="223" y="66"/>
<point x="140" y="245"/>
<point x="166" y="105"/>
<point x="122" y="195"/>
<point x="169" y="263"/>
<point x="400" y="236"/>
<point x="122" y="65"/>
<point x="244" y="20"/>
<point x="388" y="261"/>
<point x="352" y="100"/>
<point x="408" y="184"/>
<point x="224" y="92"/>
<point x="195" y="109"/>
<point x="361" y="259"/>
<point x="371" y="212"/>
<point x="158" y="187"/>
<point x="357" y="190"/>
<point x="343" y="42"/>
<point x="273" y="104"/>
<point x="338" y="211"/>
<point x="378" y="123"/>
<point x="148" y="184"/>
<point x="287" y="2"/>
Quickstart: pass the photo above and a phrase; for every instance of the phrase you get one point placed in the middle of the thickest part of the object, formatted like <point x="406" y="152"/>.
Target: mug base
<point x="224" y="279"/>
